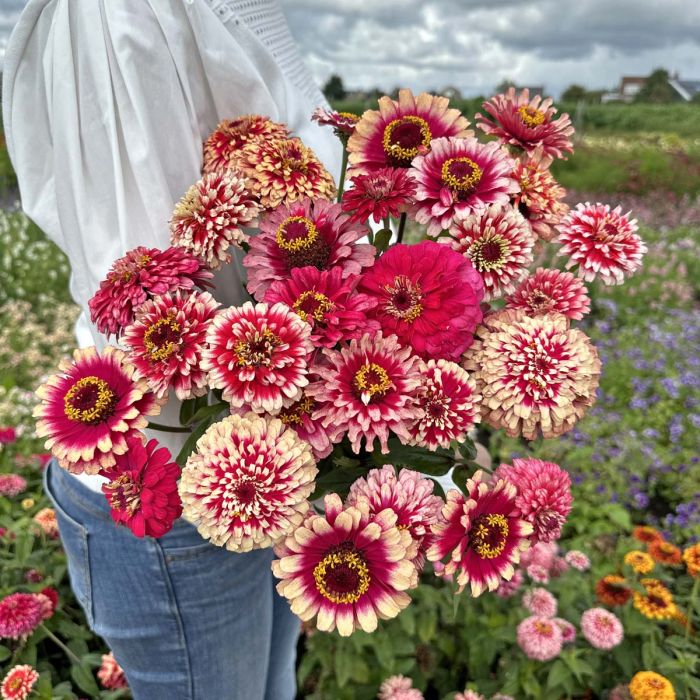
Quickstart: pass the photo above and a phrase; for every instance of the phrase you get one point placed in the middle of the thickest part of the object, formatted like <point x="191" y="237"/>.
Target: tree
<point x="504" y="85"/>
<point x="656" y="88"/>
<point x="574" y="93"/>
<point x="334" y="88"/>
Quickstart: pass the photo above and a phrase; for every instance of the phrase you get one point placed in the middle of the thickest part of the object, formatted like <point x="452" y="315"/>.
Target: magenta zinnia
<point x="527" y="123"/>
<point x="537" y="376"/>
<point x="20" y="615"/>
<point x="499" y="243"/>
<point x="343" y="123"/>
<point x="12" y="484"/>
<point x="428" y="295"/>
<point x="327" y="302"/>
<point x="246" y="485"/>
<point x="142" y="274"/>
<point x="551" y="291"/>
<point x="379" y="194"/>
<point x="449" y="402"/>
<point x="481" y="534"/>
<point x="300" y="418"/>
<point x="209" y="218"/>
<point x="346" y="568"/>
<point x="458" y="176"/>
<point x="400" y="130"/>
<point x="90" y="407"/>
<point x="602" y="242"/>
<point x="18" y="683"/>
<point x="366" y="389"/>
<point x="258" y="354"/>
<point x="306" y="233"/>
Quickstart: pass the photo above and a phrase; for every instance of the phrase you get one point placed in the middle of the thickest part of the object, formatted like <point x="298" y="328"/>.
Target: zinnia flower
<point x="540" y="602"/>
<point x="601" y="242"/>
<point x="400" y="130"/>
<point x="664" y="552"/>
<point x="568" y="631"/>
<point x="343" y="123"/>
<point x="346" y="568"/>
<point x="469" y="695"/>
<point x="142" y="489"/>
<point x="379" y="194"/>
<point x="540" y="194"/>
<point x="481" y="534"/>
<point x="536" y="375"/>
<point x="12" y="484"/>
<point x="111" y="674"/>
<point x="223" y="146"/>
<point x="641" y="562"/>
<point x="612" y="590"/>
<point x="50" y="594"/>
<point x="449" y="402"/>
<point x="620" y="692"/>
<point x="691" y="557"/>
<point x="508" y="589"/>
<point x="648" y="685"/>
<point x="207" y="220"/>
<point x="281" y="171"/>
<point x="18" y="683"/>
<point x="46" y="520"/>
<point x="657" y="601"/>
<point x="246" y="485"/>
<point x="601" y="628"/>
<point x="366" y="389"/>
<point x="257" y="354"/>
<point x="578" y="560"/>
<point x="398" y="688"/>
<point x="458" y="176"/>
<point x="540" y="638"/>
<point x="527" y="123"/>
<point x="298" y="417"/>
<point x="544" y="495"/>
<point x="20" y="615"/>
<point x="499" y="243"/>
<point x="307" y="232"/>
<point x="90" y="407"/>
<point x="327" y="302"/>
<point x="7" y="435"/>
<point x="428" y="295"/>
<point x="551" y="291"/>
<point x="538" y="573"/>
<point x="646" y="533"/>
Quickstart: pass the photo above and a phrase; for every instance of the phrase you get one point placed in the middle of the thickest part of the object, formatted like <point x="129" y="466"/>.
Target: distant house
<point x="686" y="89"/>
<point x="626" y="92"/>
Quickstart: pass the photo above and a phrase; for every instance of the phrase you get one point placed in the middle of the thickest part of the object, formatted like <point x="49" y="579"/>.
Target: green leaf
<point x="461" y="473"/>
<point x="384" y="652"/>
<point x="382" y="239"/>
<point x="23" y="547"/>
<point x="343" y="663"/>
<point x="187" y="409"/>
<point x="209" y="412"/>
<point x="466" y="449"/>
<point x="82" y="675"/>
<point x="191" y="442"/>
<point x="618" y="515"/>
<point x="558" y="674"/>
<point x="337" y="481"/>
<point x="5" y="653"/>
<point x="432" y="463"/>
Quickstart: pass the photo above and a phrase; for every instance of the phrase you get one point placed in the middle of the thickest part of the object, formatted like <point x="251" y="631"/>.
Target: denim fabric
<point x="185" y="619"/>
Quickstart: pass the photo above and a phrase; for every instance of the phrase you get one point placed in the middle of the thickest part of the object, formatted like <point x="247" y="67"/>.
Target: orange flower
<point x="664" y="552"/>
<point x="658" y="603"/>
<point x="646" y="533"/>
<point x="691" y="557"/>
<point x="647" y="685"/>
<point x="611" y="590"/>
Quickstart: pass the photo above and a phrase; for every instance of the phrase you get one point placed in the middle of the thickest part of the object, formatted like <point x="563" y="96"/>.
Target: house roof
<point x="687" y="89"/>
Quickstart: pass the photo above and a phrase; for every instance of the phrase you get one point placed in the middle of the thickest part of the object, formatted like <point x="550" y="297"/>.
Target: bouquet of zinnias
<point x="358" y="369"/>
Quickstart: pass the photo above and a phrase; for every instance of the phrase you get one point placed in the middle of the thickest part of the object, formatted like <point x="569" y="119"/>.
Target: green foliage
<point x="656" y="88"/>
<point x="334" y="88"/>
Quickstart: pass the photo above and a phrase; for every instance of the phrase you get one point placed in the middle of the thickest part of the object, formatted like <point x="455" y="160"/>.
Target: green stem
<point x="691" y="606"/>
<point x="71" y="655"/>
<point x="402" y="225"/>
<point x="167" y="428"/>
<point x="343" y="168"/>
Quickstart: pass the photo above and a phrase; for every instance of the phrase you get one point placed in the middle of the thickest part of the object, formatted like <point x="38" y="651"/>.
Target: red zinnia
<point x="18" y="683"/>
<point x="7" y="435"/>
<point x="379" y="194"/>
<point x="111" y="674"/>
<point x="551" y="291"/>
<point x="20" y="615"/>
<point x="665" y="552"/>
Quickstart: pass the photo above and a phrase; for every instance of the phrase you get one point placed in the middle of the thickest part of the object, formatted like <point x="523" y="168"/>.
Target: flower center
<point x="404" y="299"/>
<point x="404" y="139"/>
<point x="489" y="252"/>
<point x="667" y="548"/>
<point x="240" y="497"/>
<point x="544" y="628"/>
<point x="126" y="270"/>
<point x="293" y="159"/>
<point x="342" y="576"/>
<point x="530" y="116"/>
<point x="300" y="239"/>
<point x="539" y="301"/>
<point x="313" y="306"/>
<point x="15" y="683"/>
<point x="162" y="338"/>
<point x="371" y="380"/>
<point x="488" y="535"/>
<point x="89" y="400"/>
<point x="124" y="494"/>
<point x="257" y="349"/>
<point x="461" y="174"/>
<point x="295" y="413"/>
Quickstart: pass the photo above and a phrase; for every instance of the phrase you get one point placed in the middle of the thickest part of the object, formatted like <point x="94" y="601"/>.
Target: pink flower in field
<point x="346" y="568"/>
<point x="508" y="589"/>
<point x="12" y="484"/>
<point x="7" y="435"/>
<point x="343" y="123"/>
<point x="379" y="194"/>
<point x="559" y="566"/>
<point x="568" y="631"/>
<point x="601" y="628"/>
<point x="469" y="695"/>
<point x="46" y="520"/>
<point x="539" y="638"/>
<point x="458" y="176"/>
<point x="551" y="291"/>
<point x="20" y="615"/>
<point x="578" y="560"/>
<point x="538" y="573"/>
<point x="298" y="417"/>
<point x="541" y="554"/>
<point x="540" y="602"/>
<point x="18" y="683"/>
<point x="601" y="242"/>
<point x="527" y="123"/>
<point x="33" y="576"/>
<point x="111" y="674"/>
<point x="399" y="688"/>
<point x="428" y="295"/>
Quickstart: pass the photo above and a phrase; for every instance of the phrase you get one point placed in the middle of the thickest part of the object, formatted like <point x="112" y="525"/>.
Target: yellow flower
<point x="27" y="503"/>
<point x="658" y="603"/>
<point x="641" y="562"/>
<point x="691" y="557"/>
<point x="647" y="685"/>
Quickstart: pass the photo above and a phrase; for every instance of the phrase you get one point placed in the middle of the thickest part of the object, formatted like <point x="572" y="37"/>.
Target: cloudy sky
<point x="474" y="44"/>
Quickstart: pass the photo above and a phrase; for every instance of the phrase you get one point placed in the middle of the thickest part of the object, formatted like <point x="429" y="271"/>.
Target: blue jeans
<point x="186" y="620"/>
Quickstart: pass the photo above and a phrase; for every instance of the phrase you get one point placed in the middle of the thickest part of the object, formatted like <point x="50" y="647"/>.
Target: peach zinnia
<point x="346" y="568"/>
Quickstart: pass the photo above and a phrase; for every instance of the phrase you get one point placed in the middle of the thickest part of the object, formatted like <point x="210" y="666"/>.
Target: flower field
<point x="612" y="608"/>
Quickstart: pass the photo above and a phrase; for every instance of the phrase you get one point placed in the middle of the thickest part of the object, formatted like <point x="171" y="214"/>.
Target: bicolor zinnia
<point x="551" y="291"/>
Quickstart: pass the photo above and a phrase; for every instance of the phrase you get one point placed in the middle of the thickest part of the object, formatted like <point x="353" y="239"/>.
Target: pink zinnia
<point x="46" y="520"/>
<point x="142" y="489"/>
<point x="91" y="407"/>
<point x="379" y="194"/>
<point x="346" y="568"/>
<point x="602" y="242"/>
<point x="12" y="484"/>
<point x="258" y="354"/>
<point x="299" y="417"/>
<point x="508" y="589"/>
<point x="328" y="302"/>
<point x="498" y="242"/>
<point x="428" y="295"/>
<point x="7" y="435"/>
<point x="111" y="674"/>
<point x="458" y="176"/>
<point x="538" y="573"/>
<point x="568" y="631"/>
<point x="480" y="533"/>
<point x="142" y="274"/>
<point x="307" y="232"/>
<point x="578" y="560"/>
<point x="343" y="123"/>
<point x="527" y="123"/>
<point x="539" y="638"/>
<point x="20" y="615"/>
<point x="398" y="688"/>
<point x="447" y="396"/>
<point x="209" y="218"/>
<point x="540" y="602"/>
<point x="469" y="695"/>
<point x="544" y="495"/>
<point x="366" y="390"/>
<point x="166" y="342"/>
<point x="551" y="291"/>
<point x="18" y="683"/>
<point x="601" y="628"/>
<point x="541" y="554"/>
